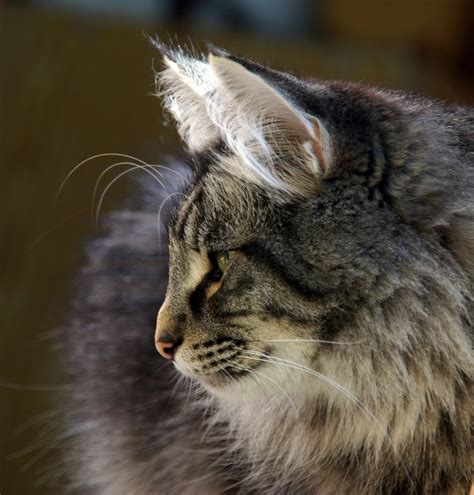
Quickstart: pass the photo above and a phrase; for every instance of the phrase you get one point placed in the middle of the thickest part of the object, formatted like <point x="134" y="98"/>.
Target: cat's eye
<point x="223" y="259"/>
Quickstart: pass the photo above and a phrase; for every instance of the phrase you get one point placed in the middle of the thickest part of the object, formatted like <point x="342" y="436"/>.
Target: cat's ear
<point x="183" y="85"/>
<point x="275" y="144"/>
<point x="278" y="144"/>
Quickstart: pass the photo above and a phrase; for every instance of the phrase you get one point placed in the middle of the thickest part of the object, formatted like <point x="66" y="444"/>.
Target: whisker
<point x="191" y="392"/>
<point x="42" y="441"/>
<point x="37" y="421"/>
<point x="134" y="167"/>
<point x="169" y="169"/>
<point x="314" y="340"/>
<point x="285" y="393"/>
<point x="177" y="382"/>
<point x="292" y="364"/>
<point x="110" y="167"/>
<point x="33" y="388"/>
<point x="158" y="220"/>
<point x="53" y="228"/>
<point x="83" y="162"/>
<point x="253" y="372"/>
<point x="222" y="367"/>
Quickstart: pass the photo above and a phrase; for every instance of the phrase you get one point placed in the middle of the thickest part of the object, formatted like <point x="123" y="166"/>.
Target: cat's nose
<point x="167" y="338"/>
<point x="167" y="344"/>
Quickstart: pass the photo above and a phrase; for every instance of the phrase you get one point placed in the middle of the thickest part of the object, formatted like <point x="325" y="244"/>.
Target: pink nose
<point x="166" y="349"/>
<point x="167" y="336"/>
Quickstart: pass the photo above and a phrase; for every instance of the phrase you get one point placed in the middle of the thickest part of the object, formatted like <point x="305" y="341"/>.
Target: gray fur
<point x="376" y="264"/>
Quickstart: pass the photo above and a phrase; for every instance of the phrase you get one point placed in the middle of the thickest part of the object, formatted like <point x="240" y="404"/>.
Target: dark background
<point x="76" y="81"/>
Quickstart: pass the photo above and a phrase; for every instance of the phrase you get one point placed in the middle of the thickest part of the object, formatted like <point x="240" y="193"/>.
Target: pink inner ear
<point x="316" y="144"/>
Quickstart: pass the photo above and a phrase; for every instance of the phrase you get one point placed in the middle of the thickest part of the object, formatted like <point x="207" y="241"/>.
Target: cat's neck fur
<point x="316" y="438"/>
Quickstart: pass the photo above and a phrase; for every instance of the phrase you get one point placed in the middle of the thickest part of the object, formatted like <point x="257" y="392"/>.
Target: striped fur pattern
<point x="335" y="355"/>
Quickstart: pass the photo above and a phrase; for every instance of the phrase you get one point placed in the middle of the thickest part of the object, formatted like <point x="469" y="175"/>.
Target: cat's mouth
<point x="216" y="362"/>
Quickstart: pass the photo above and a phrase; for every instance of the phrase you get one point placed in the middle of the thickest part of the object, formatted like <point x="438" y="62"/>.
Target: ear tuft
<point x="165" y="50"/>
<point x="217" y="51"/>
<point x="183" y="86"/>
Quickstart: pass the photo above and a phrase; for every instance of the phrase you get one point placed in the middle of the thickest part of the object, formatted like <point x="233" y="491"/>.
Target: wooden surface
<point x="71" y="89"/>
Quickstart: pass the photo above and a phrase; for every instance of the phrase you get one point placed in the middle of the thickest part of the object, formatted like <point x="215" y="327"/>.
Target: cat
<point x="316" y="332"/>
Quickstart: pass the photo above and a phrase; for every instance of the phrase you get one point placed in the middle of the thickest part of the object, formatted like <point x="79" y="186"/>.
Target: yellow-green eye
<point x="223" y="259"/>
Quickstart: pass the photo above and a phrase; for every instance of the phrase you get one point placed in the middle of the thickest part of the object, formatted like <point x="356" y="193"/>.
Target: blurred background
<point x="76" y="81"/>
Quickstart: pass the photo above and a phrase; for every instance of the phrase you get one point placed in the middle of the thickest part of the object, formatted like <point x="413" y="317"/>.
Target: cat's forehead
<point x="221" y="211"/>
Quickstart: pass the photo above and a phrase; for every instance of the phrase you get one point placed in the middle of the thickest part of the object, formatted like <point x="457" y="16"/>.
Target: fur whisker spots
<point x="315" y="341"/>
<point x="212" y="363"/>
<point x="229" y="341"/>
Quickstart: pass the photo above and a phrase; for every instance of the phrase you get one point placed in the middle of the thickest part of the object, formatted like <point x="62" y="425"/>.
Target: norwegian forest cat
<point x="316" y="333"/>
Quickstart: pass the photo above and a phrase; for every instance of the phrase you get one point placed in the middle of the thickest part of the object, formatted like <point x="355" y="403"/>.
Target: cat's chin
<point x="238" y="390"/>
<point x="220" y="382"/>
<point x="223" y="385"/>
<point x="229" y="391"/>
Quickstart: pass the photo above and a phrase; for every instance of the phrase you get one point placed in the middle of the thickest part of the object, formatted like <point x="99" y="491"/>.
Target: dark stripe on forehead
<point x="186" y="211"/>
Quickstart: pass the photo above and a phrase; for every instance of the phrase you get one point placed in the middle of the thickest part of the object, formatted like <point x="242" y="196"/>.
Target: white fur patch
<point x="183" y="98"/>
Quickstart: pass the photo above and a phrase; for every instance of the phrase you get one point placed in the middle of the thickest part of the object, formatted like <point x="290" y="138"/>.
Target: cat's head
<point x="288" y="256"/>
